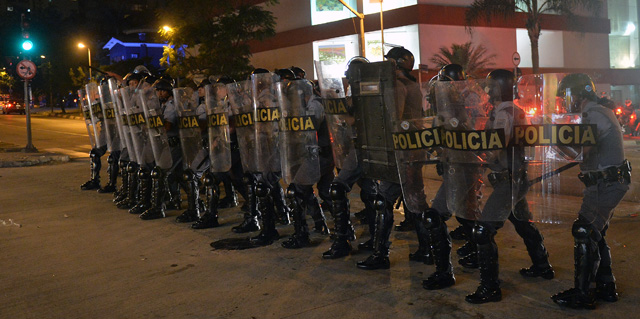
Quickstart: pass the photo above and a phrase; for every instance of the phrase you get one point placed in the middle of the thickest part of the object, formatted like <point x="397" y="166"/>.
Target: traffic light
<point x="25" y="24"/>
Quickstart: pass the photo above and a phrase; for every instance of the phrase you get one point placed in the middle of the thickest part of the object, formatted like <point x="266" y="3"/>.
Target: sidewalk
<point x="12" y="155"/>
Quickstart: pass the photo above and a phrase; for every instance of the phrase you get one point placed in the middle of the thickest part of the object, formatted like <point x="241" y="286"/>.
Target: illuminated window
<point x="324" y="11"/>
<point x="623" y="39"/>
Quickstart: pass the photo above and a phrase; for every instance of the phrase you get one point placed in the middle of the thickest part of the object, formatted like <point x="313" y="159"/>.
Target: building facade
<point x="606" y="47"/>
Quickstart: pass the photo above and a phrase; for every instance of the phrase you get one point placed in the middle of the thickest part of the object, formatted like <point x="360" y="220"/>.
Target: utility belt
<point x="614" y="174"/>
<point x="173" y="141"/>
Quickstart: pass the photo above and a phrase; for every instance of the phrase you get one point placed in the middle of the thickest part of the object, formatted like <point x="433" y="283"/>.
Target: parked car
<point x="13" y="107"/>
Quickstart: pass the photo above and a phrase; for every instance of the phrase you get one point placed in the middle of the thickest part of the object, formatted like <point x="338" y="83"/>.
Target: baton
<point x="94" y="68"/>
<point x="554" y="172"/>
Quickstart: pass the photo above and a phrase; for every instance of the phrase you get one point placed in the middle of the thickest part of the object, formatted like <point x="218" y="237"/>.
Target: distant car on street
<point x="13" y="107"/>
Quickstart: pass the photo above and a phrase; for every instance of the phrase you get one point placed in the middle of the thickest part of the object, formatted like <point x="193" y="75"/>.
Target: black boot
<point x="458" y="233"/>
<point x="174" y="183"/>
<point x="144" y="192"/>
<point x="441" y="243"/>
<point x="250" y="222"/>
<point x="94" y="182"/>
<point x="300" y="237"/>
<point x="344" y="233"/>
<point x="489" y="289"/>
<point x="210" y="218"/>
<point x="283" y="214"/>
<point x="586" y="257"/>
<point x="230" y="197"/>
<point x="534" y="242"/>
<point x="132" y="191"/>
<point x="605" y="281"/>
<point x="371" y="220"/>
<point x="268" y="234"/>
<point x="122" y="193"/>
<point x="157" y="195"/>
<point x="423" y="254"/>
<point x="319" y="221"/>
<point x="112" y="171"/>
<point x="192" y="213"/>
<point x="408" y="223"/>
<point x="384" y="222"/>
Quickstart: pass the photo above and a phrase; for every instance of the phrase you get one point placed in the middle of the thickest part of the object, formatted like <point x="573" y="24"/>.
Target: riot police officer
<point x="606" y="175"/>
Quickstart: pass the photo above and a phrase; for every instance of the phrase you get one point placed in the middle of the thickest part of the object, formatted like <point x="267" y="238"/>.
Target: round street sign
<point x="26" y="69"/>
<point x="516" y="58"/>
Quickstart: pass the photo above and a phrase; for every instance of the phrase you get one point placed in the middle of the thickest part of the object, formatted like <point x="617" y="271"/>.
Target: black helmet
<point x="353" y="61"/>
<point x="225" y="79"/>
<point x="452" y="72"/>
<point x="299" y="72"/>
<point x="203" y="83"/>
<point x="132" y="76"/>
<point x="163" y="84"/>
<point x="259" y="70"/>
<point x="505" y="80"/>
<point x="404" y="58"/>
<point x="150" y="79"/>
<point x="286" y="74"/>
<point x="579" y="85"/>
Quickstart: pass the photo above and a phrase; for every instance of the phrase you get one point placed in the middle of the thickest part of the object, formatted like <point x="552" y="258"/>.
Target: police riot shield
<point x="109" y="115"/>
<point x="218" y="125"/>
<point x="187" y="107"/>
<point x="137" y="126"/>
<point x="336" y="107"/>
<point x="86" y="113"/>
<point x="415" y="140"/>
<point x="301" y="116"/>
<point x="95" y="110"/>
<point x="267" y="117"/>
<point x="122" y="119"/>
<point x="463" y="112"/>
<point x="552" y="140"/>
<point x="155" y="126"/>
<point x="373" y="93"/>
<point x="244" y="121"/>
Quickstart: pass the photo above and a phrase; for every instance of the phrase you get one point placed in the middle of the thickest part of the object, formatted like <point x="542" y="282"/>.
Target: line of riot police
<point x="516" y="134"/>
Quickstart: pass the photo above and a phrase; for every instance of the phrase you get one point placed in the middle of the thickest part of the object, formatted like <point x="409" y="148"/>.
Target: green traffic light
<point x="27" y="45"/>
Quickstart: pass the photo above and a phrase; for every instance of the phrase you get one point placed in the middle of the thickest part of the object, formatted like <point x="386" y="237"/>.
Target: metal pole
<point x="29" y="147"/>
<point x="381" y="30"/>
<point x="89" y="52"/>
<point x="361" y="32"/>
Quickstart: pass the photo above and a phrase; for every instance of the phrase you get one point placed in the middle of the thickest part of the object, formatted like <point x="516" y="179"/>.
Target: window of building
<point x="623" y="39"/>
<point x="134" y="55"/>
<point x="324" y="11"/>
<point x="373" y="6"/>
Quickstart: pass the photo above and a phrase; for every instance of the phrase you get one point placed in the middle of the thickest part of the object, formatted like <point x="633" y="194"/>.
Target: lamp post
<point x="82" y="46"/>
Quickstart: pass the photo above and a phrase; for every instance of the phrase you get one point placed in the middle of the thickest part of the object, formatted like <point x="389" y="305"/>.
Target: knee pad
<point x="338" y="191"/>
<point x="143" y="173"/>
<point x="432" y="218"/>
<point x="262" y="190"/>
<point x="110" y="159"/>
<point x="483" y="233"/>
<point x="583" y="231"/>
<point x="208" y="179"/>
<point x="379" y="203"/>
<point x="156" y="172"/>
<point x="291" y="192"/>
<point x="132" y="167"/>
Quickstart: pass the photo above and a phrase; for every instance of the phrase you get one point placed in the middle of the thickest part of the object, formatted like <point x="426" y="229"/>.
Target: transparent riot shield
<point x="267" y="112"/>
<point x="244" y="121"/>
<point x="301" y="116"/>
<point x="155" y="125"/>
<point x="95" y="110"/>
<point x="122" y="119"/>
<point x="109" y="115"/>
<point x="415" y="141"/>
<point x="552" y="140"/>
<point x="138" y="126"/>
<point x="463" y="112"/>
<point x="373" y="92"/>
<point x="218" y="125"/>
<point x="187" y="104"/>
<point x="86" y="113"/>
<point x="336" y="109"/>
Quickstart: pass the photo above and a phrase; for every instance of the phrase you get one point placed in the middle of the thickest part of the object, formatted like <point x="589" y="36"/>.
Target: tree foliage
<point x="473" y="60"/>
<point x="534" y="9"/>
<point x="211" y="37"/>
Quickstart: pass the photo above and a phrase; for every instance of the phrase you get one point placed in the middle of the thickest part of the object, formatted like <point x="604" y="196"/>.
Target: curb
<point x="34" y="160"/>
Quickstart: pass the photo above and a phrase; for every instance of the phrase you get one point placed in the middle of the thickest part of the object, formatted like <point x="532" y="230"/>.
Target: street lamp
<point x="82" y="46"/>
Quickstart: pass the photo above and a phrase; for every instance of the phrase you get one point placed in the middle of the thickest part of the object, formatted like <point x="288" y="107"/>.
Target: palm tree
<point x="473" y="60"/>
<point x="533" y="9"/>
